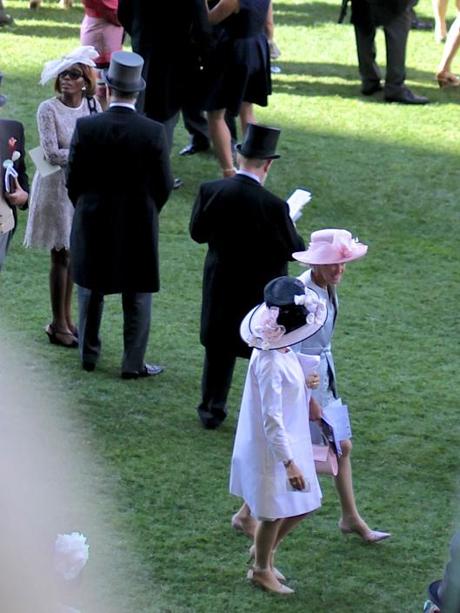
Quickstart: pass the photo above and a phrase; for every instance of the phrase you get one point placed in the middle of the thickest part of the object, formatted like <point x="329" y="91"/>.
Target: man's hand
<point x="18" y="197"/>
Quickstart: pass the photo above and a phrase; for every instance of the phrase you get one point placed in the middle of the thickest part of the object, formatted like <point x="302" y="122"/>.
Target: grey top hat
<point x="2" y="98"/>
<point x="259" y="142"/>
<point x="125" y="72"/>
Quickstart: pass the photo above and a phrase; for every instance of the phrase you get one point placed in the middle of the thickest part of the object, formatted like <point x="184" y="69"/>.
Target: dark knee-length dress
<point x="240" y="67"/>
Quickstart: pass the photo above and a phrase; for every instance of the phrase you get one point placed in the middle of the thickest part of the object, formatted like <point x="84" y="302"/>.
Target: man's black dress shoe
<point x="88" y="366"/>
<point x="149" y="370"/>
<point x="193" y="148"/>
<point x="406" y="96"/>
<point x="420" y="24"/>
<point x="211" y="420"/>
<point x="372" y="88"/>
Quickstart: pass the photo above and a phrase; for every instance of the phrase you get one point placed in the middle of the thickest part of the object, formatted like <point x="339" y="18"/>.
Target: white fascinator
<point x="82" y="55"/>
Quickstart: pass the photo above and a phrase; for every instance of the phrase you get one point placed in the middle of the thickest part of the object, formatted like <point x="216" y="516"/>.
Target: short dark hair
<point x="123" y="95"/>
<point x="89" y="75"/>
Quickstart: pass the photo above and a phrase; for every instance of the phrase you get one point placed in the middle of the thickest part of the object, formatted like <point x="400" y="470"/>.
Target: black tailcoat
<point x="118" y="179"/>
<point x="10" y="128"/>
<point x="169" y="35"/>
<point x="250" y="239"/>
<point x="378" y="12"/>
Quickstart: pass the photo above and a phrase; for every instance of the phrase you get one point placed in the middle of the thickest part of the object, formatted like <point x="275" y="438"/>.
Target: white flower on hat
<point x="269" y="331"/>
<point x="81" y="55"/>
<point x="315" y="306"/>
<point x="70" y="554"/>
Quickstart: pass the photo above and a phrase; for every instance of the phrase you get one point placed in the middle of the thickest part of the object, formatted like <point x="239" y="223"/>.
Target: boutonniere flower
<point x="10" y="172"/>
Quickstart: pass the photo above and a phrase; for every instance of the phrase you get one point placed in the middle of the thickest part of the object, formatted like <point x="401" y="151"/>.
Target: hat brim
<point x="121" y="87"/>
<point x="257" y="156"/>
<point x="433" y="592"/>
<point x="310" y="257"/>
<point x="253" y="318"/>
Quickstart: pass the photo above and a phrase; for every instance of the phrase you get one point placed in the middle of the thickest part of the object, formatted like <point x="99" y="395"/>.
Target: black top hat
<point x="259" y="142"/>
<point x="281" y="291"/>
<point x="2" y="98"/>
<point x="125" y="72"/>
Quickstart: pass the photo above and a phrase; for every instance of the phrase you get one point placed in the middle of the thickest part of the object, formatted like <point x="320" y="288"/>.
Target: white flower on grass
<point x="70" y="554"/>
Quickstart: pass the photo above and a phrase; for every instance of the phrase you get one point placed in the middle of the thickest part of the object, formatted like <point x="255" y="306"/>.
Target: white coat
<point x="273" y="427"/>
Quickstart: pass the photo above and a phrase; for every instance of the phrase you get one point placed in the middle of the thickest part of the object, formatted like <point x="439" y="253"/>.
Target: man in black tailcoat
<point x="14" y="184"/>
<point x="118" y="179"/>
<point x="250" y="239"/>
<point x="170" y="36"/>
<point x="395" y="18"/>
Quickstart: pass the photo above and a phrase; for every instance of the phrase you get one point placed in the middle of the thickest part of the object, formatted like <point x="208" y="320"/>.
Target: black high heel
<point x="52" y="334"/>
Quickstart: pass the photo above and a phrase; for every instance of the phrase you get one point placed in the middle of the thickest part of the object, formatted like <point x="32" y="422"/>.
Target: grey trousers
<point x="396" y="34"/>
<point x="4" y="241"/>
<point x="136" y="327"/>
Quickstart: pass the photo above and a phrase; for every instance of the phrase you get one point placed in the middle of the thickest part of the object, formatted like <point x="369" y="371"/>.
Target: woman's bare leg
<point x="450" y="48"/>
<point x="244" y="522"/>
<point x="351" y="520"/>
<point x="221" y="140"/>
<point x="246" y="115"/>
<point x="439" y="12"/>
<point x="59" y="294"/>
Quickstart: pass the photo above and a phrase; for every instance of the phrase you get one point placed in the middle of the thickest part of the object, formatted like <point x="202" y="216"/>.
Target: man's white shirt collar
<point x="126" y="105"/>
<point x="251" y="175"/>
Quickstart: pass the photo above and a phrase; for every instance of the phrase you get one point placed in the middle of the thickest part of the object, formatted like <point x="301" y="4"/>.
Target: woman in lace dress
<point x="51" y="212"/>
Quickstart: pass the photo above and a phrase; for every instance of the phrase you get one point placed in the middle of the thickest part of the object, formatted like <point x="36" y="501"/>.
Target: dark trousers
<point x="136" y="326"/>
<point x="216" y="380"/>
<point x="396" y="34"/>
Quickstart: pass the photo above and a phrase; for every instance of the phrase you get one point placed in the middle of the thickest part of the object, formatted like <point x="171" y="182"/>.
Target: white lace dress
<point x="50" y="210"/>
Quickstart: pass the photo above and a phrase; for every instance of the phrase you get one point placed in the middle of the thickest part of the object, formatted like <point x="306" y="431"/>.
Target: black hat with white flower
<point x="290" y="314"/>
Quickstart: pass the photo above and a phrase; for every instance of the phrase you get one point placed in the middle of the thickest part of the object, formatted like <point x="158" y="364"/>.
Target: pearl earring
<point x="83" y="89"/>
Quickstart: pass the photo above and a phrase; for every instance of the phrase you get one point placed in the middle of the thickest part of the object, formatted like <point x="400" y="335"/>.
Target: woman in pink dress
<point x="101" y="29"/>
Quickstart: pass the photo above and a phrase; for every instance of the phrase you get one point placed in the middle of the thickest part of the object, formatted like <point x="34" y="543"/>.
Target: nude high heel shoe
<point x="278" y="574"/>
<point x="447" y="79"/>
<point x="368" y="536"/>
<point x="266" y="580"/>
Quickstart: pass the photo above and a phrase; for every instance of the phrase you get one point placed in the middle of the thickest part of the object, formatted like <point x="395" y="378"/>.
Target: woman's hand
<point x="296" y="478"/>
<point x="313" y="380"/>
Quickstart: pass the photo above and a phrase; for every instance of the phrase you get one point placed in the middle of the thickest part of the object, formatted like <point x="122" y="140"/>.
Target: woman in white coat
<point x="272" y="462"/>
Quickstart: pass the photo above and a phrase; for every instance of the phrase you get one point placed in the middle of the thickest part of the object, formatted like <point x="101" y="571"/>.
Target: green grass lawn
<point x="389" y="174"/>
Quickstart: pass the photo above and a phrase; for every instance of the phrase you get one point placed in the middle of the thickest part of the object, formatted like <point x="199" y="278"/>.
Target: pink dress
<point x="100" y="27"/>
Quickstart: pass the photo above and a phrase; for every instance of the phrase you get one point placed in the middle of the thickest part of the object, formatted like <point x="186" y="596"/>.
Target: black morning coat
<point x="118" y="178"/>
<point x="170" y="35"/>
<point x="250" y="239"/>
<point x="10" y="128"/>
<point x="378" y="12"/>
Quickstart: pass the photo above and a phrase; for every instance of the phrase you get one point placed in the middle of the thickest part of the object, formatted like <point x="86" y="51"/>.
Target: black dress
<point x="240" y="67"/>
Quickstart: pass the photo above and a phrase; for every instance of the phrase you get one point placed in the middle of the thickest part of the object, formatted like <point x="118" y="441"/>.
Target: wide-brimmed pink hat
<point x="331" y="246"/>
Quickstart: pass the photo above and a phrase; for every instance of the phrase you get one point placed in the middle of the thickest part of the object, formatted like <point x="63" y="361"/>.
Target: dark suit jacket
<point x="10" y="128"/>
<point x="119" y="178"/>
<point x="378" y="12"/>
<point x="170" y="36"/>
<point x="250" y="239"/>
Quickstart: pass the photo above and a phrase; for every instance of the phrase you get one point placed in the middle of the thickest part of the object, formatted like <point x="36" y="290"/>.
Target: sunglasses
<point x="72" y="74"/>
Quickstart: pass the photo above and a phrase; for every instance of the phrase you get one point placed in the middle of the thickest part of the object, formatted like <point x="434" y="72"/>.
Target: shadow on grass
<point x="56" y="30"/>
<point x="307" y="13"/>
<point x="317" y="87"/>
